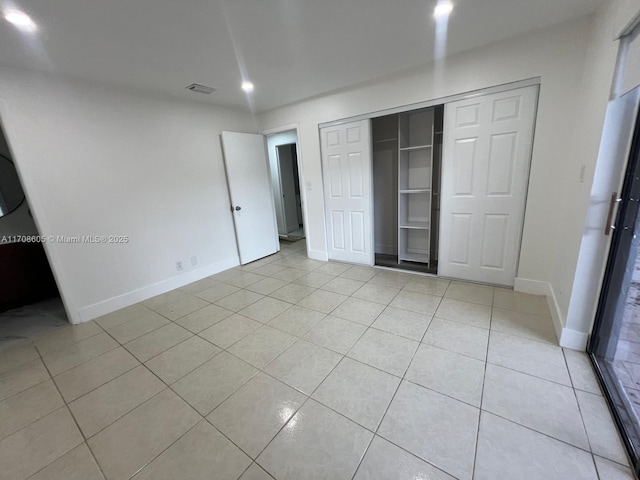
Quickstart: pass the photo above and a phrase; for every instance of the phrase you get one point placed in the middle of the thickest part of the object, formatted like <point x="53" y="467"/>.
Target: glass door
<point x="615" y="344"/>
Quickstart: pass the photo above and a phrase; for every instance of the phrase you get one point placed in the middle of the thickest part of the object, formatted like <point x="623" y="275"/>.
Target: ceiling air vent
<point x="194" y="87"/>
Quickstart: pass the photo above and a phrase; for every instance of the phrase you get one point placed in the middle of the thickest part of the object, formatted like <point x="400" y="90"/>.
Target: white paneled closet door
<point x="485" y="171"/>
<point x="346" y="170"/>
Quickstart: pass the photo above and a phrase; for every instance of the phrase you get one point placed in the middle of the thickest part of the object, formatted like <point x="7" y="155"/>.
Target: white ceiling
<point x="290" y="49"/>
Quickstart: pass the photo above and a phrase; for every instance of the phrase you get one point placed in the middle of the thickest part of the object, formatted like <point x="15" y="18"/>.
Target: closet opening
<point x="407" y="157"/>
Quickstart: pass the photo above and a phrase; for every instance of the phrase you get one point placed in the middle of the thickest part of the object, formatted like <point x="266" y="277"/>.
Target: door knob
<point x="238" y="208"/>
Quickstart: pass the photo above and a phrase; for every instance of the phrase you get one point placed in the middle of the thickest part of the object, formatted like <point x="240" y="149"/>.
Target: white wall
<point x="555" y="54"/>
<point x="96" y="161"/>
<point x="273" y="141"/>
<point x="582" y="249"/>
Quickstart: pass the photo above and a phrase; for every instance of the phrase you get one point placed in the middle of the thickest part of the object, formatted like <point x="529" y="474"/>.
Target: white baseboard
<point x="116" y="303"/>
<point x="567" y="337"/>
<point x="318" y="255"/>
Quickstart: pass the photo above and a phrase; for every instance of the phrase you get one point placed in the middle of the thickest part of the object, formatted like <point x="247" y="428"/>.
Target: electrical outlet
<point x="194" y="261"/>
<point x="179" y="266"/>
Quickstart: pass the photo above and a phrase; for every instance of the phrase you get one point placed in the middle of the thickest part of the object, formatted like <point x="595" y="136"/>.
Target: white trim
<point x="317" y="255"/>
<point x="126" y="299"/>
<point x="567" y="337"/>
<point x="436" y="101"/>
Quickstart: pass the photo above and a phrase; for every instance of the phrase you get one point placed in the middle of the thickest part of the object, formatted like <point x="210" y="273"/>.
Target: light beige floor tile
<point x="201" y="453"/>
<point x="227" y="274"/>
<point x="37" y="445"/>
<point x="389" y="278"/>
<point x="468" y="313"/>
<point x="204" y="318"/>
<point x="268" y="285"/>
<point x="385" y="351"/>
<point x="90" y="375"/>
<point x="289" y="274"/>
<point x="217" y="292"/>
<point x="603" y="435"/>
<point x="230" y="330"/>
<point x="297" y="320"/>
<point x="507" y="450"/>
<point x="362" y="274"/>
<point x="322" y="301"/>
<point x="136" y="328"/>
<point x="528" y="356"/>
<point x="244" y="279"/>
<point x="17" y="356"/>
<point x="20" y="378"/>
<point x="332" y="268"/>
<point x="199" y="286"/>
<point x="521" y="302"/>
<point x="539" y="404"/>
<point x="581" y="371"/>
<point x="123" y="315"/>
<point x="377" y="293"/>
<point x="343" y="286"/>
<point x="308" y="264"/>
<point x="450" y="373"/>
<point x="358" y="391"/>
<point x="156" y="342"/>
<point x="67" y="335"/>
<point x="106" y="404"/>
<point x="254" y="472"/>
<point x="65" y="358"/>
<point x="470" y="292"/>
<point x="239" y="300"/>
<point x="295" y="453"/>
<point x="182" y="359"/>
<point x="183" y="307"/>
<point x="293" y="292"/>
<point x="533" y="327"/>
<point x="459" y="338"/>
<point x="252" y="416"/>
<point x="416" y="302"/>
<point x="28" y="406"/>
<point x="452" y="427"/>
<point x="303" y="366"/>
<point x="335" y="334"/>
<point x="358" y="311"/>
<point x="78" y="464"/>
<point x="608" y="470"/>
<point x="210" y="384"/>
<point x="314" y="279"/>
<point x="385" y="461"/>
<point x="267" y="270"/>
<point x="403" y="323"/>
<point x="428" y="286"/>
<point x="165" y="298"/>
<point x="265" y="309"/>
<point x="135" y="439"/>
<point x="262" y="346"/>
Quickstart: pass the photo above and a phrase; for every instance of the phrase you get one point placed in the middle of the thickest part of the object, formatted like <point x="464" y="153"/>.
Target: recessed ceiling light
<point x="247" y="87"/>
<point x="20" y="20"/>
<point x="442" y="9"/>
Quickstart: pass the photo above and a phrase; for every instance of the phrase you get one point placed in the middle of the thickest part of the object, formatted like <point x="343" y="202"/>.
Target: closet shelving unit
<point x="415" y="170"/>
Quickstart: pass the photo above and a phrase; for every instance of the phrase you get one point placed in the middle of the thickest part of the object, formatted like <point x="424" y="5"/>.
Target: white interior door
<point x="287" y="181"/>
<point x="485" y="171"/>
<point x="251" y="198"/>
<point x="346" y="170"/>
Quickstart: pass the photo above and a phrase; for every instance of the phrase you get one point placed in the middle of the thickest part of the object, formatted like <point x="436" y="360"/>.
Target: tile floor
<point x="290" y="368"/>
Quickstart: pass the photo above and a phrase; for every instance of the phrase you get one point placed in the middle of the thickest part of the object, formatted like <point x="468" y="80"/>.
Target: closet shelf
<point x="414" y="257"/>
<point x="416" y="147"/>
<point x="415" y="190"/>
<point x="415" y="225"/>
<point x="386" y="140"/>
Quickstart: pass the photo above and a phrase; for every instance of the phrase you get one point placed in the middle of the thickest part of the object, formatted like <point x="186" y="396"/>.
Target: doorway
<point x="286" y="185"/>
